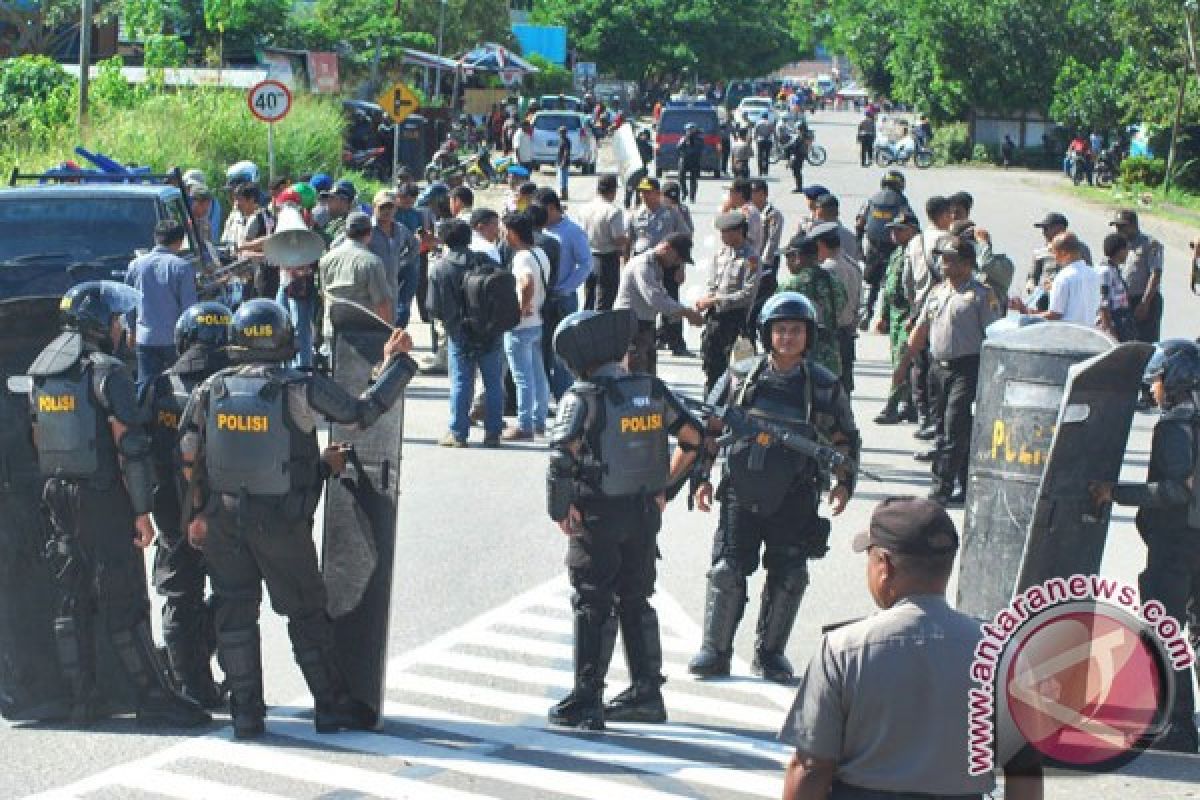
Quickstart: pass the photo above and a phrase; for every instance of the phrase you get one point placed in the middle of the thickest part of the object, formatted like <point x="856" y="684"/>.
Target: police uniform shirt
<point x="1145" y="257"/>
<point x="921" y="271"/>
<point x="850" y="246"/>
<point x="641" y="289"/>
<point x="754" y="227"/>
<point x="733" y="278"/>
<point x="604" y="223"/>
<point x="958" y="318"/>
<point x="648" y="228"/>
<point x="886" y="699"/>
<point x="850" y="276"/>
<point x="773" y="232"/>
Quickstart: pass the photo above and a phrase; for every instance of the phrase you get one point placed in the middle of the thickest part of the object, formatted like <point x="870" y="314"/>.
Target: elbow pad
<point x="560" y="485"/>
<point x="138" y="469"/>
<point x="386" y="391"/>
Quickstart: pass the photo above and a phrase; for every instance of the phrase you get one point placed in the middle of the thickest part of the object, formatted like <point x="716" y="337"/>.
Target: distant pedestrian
<point x="866" y="139"/>
<point x="523" y="344"/>
<point x="1143" y="274"/>
<point x="523" y="146"/>
<point x="1008" y="152"/>
<point x="562" y="162"/>
<point x="604" y="222"/>
<point x="168" y="286"/>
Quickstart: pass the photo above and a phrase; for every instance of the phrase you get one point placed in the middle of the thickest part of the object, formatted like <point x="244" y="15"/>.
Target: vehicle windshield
<point x="673" y="121"/>
<point x="556" y="103"/>
<point x="761" y="102"/>
<point x="83" y="228"/>
<point x="552" y="122"/>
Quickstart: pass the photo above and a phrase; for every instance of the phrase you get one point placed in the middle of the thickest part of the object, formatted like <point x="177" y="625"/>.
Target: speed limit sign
<point x="269" y="100"/>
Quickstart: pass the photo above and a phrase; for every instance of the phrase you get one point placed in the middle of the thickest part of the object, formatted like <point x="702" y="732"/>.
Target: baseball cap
<point x="198" y="191"/>
<point x="949" y="244"/>
<point x="909" y="526"/>
<point x="384" y="196"/>
<point x="730" y="220"/>
<point x="681" y="243"/>
<point x="649" y="185"/>
<point x="606" y="183"/>
<point x="905" y="219"/>
<point x="518" y="171"/>
<point x="321" y="182"/>
<point x="815" y="191"/>
<point x="343" y="188"/>
<point x="1125" y="216"/>
<point x="1053" y="218"/>
<point x="828" y="201"/>
<point x="357" y="222"/>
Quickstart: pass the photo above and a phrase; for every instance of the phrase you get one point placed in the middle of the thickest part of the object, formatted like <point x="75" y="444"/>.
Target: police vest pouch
<point x="632" y="446"/>
<point x="883" y="208"/>
<point x="247" y="440"/>
<point x="66" y="426"/>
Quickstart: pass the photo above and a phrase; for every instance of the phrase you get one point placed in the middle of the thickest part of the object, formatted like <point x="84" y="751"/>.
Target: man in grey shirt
<point x="395" y="245"/>
<point x="642" y="290"/>
<point x="883" y="706"/>
<point x="168" y="286"/>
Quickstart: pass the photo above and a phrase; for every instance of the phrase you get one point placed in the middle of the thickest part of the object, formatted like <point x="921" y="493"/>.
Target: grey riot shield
<point x="31" y="684"/>
<point x="1022" y="373"/>
<point x="1066" y="531"/>
<point x="360" y="515"/>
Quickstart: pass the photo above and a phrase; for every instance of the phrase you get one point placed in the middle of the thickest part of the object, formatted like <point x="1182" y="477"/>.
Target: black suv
<point x="54" y="235"/>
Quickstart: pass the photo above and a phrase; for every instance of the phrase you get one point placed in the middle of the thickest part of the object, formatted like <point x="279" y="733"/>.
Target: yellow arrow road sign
<point x="399" y="101"/>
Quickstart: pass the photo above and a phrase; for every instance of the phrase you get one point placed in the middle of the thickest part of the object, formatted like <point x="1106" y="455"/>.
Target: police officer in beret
<point x="953" y="322"/>
<point x="255" y="474"/>
<point x="769" y="493"/>
<point x="606" y="484"/>
<point x="732" y="284"/>
<point x="93" y="450"/>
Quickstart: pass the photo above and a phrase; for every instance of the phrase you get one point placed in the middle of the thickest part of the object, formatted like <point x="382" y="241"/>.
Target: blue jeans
<point x="564" y="176"/>
<point x="561" y="377"/>
<point x="301" y="312"/>
<point x="463" y="360"/>
<point x="524" y="350"/>
<point x="410" y="274"/>
<point x="152" y="361"/>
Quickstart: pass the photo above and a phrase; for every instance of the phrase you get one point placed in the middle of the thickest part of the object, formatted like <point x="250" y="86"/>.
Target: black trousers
<point x="797" y="167"/>
<point x="956" y="381"/>
<point x="1150" y="329"/>
<point x="689" y="180"/>
<point x="97" y="564"/>
<point x="259" y="543"/>
<point x="179" y="571"/>
<point x="785" y="539"/>
<point x="848" y="348"/>
<point x="670" y="329"/>
<point x="924" y="397"/>
<point x="601" y="287"/>
<point x="762" y="149"/>
<point x="866" y="150"/>
<point x="716" y="342"/>
<point x="611" y="564"/>
<point x="1172" y="577"/>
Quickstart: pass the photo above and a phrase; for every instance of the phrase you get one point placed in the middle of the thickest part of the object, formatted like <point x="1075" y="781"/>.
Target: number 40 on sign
<point x="270" y="101"/>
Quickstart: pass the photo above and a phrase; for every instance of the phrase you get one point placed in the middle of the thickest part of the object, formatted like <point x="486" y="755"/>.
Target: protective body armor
<point x="168" y="410"/>
<point x="1188" y="420"/>
<point x="251" y="444"/>
<point x="73" y="441"/>
<point x="882" y="208"/>
<point x="760" y="471"/>
<point x="627" y="438"/>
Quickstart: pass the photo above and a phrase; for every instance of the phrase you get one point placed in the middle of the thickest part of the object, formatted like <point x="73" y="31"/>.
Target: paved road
<point x="481" y="632"/>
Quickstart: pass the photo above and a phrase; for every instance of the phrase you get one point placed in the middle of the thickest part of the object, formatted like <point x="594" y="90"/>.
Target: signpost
<point x="399" y="102"/>
<point x="270" y="101"/>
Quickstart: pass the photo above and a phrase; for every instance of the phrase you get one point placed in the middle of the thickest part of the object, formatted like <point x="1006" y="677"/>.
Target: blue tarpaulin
<point x="548" y="42"/>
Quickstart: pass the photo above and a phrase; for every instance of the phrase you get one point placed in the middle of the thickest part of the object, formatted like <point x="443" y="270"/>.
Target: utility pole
<point x="85" y="63"/>
<point x="437" y="86"/>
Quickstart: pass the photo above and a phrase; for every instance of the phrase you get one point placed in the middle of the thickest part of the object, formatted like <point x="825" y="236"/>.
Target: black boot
<point x="776" y="616"/>
<point x="583" y="708"/>
<point x="890" y="414"/>
<point x="159" y="703"/>
<point x="333" y="708"/>
<point x="907" y="412"/>
<point x="76" y="645"/>
<point x="642" y="701"/>
<point x="723" y="609"/>
<point x="190" y="662"/>
<point x="239" y="652"/>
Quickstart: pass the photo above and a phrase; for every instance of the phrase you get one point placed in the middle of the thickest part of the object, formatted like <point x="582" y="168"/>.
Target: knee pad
<point x="726" y="574"/>
<point x="793" y="579"/>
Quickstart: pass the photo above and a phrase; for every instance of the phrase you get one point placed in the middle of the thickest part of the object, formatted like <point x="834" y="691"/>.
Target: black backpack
<point x="490" y="306"/>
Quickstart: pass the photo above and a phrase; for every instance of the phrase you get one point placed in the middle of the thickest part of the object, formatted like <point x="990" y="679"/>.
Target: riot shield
<point x="31" y="684"/>
<point x="360" y="514"/>
<point x="1022" y="372"/>
<point x="625" y="151"/>
<point x="1067" y="532"/>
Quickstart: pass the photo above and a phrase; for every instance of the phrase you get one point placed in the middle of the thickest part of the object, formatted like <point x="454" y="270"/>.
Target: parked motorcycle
<point x="816" y="153"/>
<point x="1076" y="166"/>
<point x="901" y="152"/>
<point x="1105" y="173"/>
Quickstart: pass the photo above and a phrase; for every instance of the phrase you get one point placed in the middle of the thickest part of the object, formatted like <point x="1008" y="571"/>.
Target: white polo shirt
<point x="1075" y="294"/>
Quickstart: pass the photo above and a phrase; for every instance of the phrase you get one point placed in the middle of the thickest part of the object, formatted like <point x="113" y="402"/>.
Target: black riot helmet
<point x="203" y="323"/>
<point x="588" y="339"/>
<point x="893" y="179"/>
<point x="1177" y="362"/>
<point x="787" y="305"/>
<point x="89" y="308"/>
<point x="262" y="331"/>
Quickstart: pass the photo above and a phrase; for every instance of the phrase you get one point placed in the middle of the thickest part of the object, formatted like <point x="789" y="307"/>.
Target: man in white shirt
<point x="1075" y="293"/>
<point x="485" y="233"/>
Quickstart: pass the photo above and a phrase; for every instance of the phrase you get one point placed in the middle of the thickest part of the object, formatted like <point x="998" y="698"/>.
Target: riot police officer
<point x="880" y="210"/>
<point x="94" y="453"/>
<point x="255" y="474"/>
<point x="769" y="494"/>
<point x="1168" y="516"/>
<point x="201" y="335"/>
<point x="609" y="470"/>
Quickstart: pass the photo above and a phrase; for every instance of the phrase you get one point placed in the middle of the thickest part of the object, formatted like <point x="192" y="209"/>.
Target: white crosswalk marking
<point x="466" y="720"/>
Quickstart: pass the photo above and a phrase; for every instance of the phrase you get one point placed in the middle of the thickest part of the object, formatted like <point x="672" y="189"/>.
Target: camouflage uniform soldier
<point x="894" y="318"/>
<point x="823" y="289"/>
